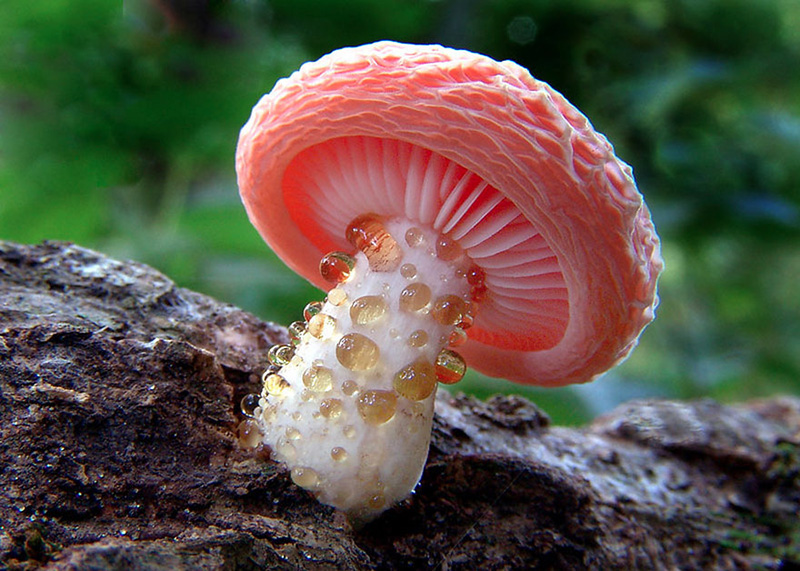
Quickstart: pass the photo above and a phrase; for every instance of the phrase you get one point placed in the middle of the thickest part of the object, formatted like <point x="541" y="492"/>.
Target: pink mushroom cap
<point x="485" y="154"/>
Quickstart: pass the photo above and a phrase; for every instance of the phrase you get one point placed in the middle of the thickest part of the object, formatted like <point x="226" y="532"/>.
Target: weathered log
<point x="119" y="410"/>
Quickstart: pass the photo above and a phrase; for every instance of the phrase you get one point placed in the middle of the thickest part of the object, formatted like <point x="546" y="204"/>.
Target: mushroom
<point x="446" y="201"/>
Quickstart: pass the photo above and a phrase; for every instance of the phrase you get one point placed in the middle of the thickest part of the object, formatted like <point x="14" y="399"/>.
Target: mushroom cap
<point x="568" y="247"/>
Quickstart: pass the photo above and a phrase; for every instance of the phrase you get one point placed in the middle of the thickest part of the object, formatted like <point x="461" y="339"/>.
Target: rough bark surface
<point x="118" y="450"/>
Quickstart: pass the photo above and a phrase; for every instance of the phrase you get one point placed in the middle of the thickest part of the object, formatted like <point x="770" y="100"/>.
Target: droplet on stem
<point x="280" y="355"/>
<point x="450" y="367"/>
<point x="368" y="234"/>
<point x="357" y="352"/>
<point x="248" y="404"/>
<point x="367" y="309"/>
<point x="376" y="407"/>
<point x="336" y="267"/>
<point x="416" y="381"/>
<point x="448" y="309"/>
<point x="414" y="297"/>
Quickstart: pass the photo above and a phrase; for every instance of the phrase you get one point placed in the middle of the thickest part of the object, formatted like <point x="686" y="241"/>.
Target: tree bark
<point x="119" y="411"/>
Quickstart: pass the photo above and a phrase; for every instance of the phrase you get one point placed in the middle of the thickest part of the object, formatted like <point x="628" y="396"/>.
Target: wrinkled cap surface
<point x="484" y="153"/>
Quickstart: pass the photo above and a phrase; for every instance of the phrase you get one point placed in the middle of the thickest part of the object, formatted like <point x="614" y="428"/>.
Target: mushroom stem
<point x="350" y="410"/>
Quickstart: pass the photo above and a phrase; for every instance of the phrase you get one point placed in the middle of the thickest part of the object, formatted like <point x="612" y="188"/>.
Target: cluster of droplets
<point x="367" y="355"/>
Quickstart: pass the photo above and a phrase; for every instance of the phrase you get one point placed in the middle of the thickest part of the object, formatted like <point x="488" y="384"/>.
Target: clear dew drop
<point x="296" y="330"/>
<point x="292" y="433"/>
<point x="339" y="454"/>
<point x="414" y="297"/>
<point x="457" y="337"/>
<point x="312" y="309"/>
<point x="336" y="267"/>
<point x="318" y="378"/>
<point x="349" y="431"/>
<point x="357" y="352"/>
<point x="321" y="326"/>
<point x="249" y="434"/>
<point x="450" y="367"/>
<point x="280" y="355"/>
<point x="276" y="385"/>
<point x="368" y="309"/>
<point x="305" y="477"/>
<point x="416" y="381"/>
<point x="376" y="407"/>
<point x="414" y="237"/>
<point x="249" y="404"/>
<point x="368" y="233"/>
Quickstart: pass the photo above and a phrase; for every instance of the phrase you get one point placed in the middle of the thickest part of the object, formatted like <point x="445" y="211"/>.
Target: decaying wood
<point x="118" y="450"/>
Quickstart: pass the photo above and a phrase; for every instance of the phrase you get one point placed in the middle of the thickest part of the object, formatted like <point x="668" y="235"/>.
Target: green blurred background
<point x="118" y="124"/>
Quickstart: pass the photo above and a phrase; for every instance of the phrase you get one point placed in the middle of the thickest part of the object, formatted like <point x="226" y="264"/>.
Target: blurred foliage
<point x="118" y="127"/>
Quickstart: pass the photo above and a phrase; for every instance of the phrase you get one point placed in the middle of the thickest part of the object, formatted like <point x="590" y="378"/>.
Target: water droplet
<point x="312" y="309"/>
<point x="249" y="435"/>
<point x="376" y="407"/>
<point x="414" y="297"/>
<point x="418" y="338"/>
<point x="475" y="276"/>
<point x="276" y="385"/>
<point x="305" y="477"/>
<point x="293" y="434"/>
<point x="408" y="271"/>
<point x="457" y="337"/>
<point x="296" y="331"/>
<point x="331" y="408"/>
<point x="368" y="234"/>
<point x="349" y="388"/>
<point x="318" y="378"/>
<point x="447" y="249"/>
<point x="280" y="355"/>
<point x="367" y="309"/>
<point x="286" y="449"/>
<point x="349" y="431"/>
<point x="450" y="367"/>
<point x="357" y="352"/>
<point x="321" y="326"/>
<point x="337" y="296"/>
<point x="249" y="404"/>
<point x="336" y="267"/>
<point x="448" y="309"/>
<point x="377" y="501"/>
<point x="339" y="454"/>
<point x="414" y="237"/>
<point x="416" y="381"/>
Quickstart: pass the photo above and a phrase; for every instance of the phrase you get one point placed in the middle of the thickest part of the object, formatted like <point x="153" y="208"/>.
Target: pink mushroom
<point x="455" y="202"/>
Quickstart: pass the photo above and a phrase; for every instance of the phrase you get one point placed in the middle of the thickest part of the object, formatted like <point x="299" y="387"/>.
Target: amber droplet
<point x="457" y="337"/>
<point x="448" y="309"/>
<point x="249" y="435"/>
<point x="339" y="454"/>
<point x="376" y="501"/>
<point x="475" y="276"/>
<point x="318" y="378"/>
<point x="276" y="385"/>
<point x="376" y="407"/>
<point x="293" y="434"/>
<point x="414" y="297"/>
<point x="296" y="330"/>
<point x="305" y="477"/>
<point x="349" y="388"/>
<point x="337" y="296"/>
<point x="408" y="271"/>
<point x="477" y="293"/>
<point x="418" y="338"/>
<point x="416" y="381"/>
<point x="450" y="367"/>
<point x="331" y="408"/>
<point x="357" y="352"/>
<point x="336" y="267"/>
<point x="280" y="355"/>
<point x="248" y="404"/>
<point x="312" y="309"/>
<point x="367" y="309"/>
<point x="447" y="249"/>
<point x="368" y="233"/>
<point x="321" y="326"/>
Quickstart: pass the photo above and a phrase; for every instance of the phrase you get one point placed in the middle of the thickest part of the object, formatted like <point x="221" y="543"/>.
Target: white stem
<point x="326" y="425"/>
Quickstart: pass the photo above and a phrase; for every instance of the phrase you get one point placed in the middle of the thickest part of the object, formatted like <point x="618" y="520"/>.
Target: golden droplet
<point x="276" y="385"/>
<point x="337" y="296"/>
<point x="331" y="408"/>
<point x="357" y="352"/>
<point x="416" y="381"/>
<point x="368" y="234"/>
<point x="448" y="309"/>
<point x="414" y="297"/>
<point x="349" y="388"/>
<point x="408" y="271"/>
<point x="368" y="309"/>
<point x="457" y="337"/>
<point x="318" y="378"/>
<point x="339" y="454"/>
<point x="450" y="367"/>
<point x="414" y="237"/>
<point x="418" y="338"/>
<point x="321" y="326"/>
<point x="249" y="435"/>
<point x="447" y="249"/>
<point x="305" y="477"/>
<point x="376" y="407"/>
